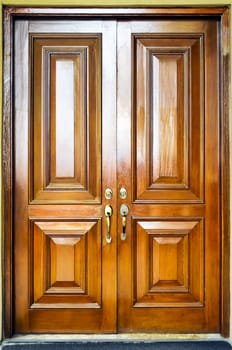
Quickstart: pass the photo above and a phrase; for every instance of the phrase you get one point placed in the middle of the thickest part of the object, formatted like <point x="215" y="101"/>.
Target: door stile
<point x="21" y="191"/>
<point x="124" y="168"/>
<point x="109" y="171"/>
<point x="7" y="175"/>
<point x="225" y="178"/>
<point x="213" y="233"/>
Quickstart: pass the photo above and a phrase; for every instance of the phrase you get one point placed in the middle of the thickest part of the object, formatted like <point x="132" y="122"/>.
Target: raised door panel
<point x="67" y="264"/>
<point x="66" y="118"/>
<point x="168" y="117"/>
<point x="169" y="263"/>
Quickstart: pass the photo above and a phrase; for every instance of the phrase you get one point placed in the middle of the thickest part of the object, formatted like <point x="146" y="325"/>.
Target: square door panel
<point x="65" y="117"/>
<point x="168" y="118"/>
<point x="168" y="263"/>
<point x="66" y="261"/>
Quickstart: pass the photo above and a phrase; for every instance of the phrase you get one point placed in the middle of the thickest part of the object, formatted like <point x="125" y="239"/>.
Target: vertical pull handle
<point x="108" y="214"/>
<point x="124" y="210"/>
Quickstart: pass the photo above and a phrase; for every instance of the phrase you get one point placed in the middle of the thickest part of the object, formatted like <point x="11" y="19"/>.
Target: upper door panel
<point x="66" y="118"/>
<point x="168" y="115"/>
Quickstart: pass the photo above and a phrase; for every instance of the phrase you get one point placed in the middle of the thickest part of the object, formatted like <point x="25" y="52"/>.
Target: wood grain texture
<point x="158" y="310"/>
<point x="7" y="175"/>
<point x="172" y="246"/>
<point x="66" y="272"/>
<point x="67" y="264"/>
<point x="169" y="264"/>
<point x="168" y="117"/>
<point x="225" y="177"/>
<point x="165" y="150"/>
<point x="49" y="141"/>
<point x="109" y="11"/>
<point x="21" y="165"/>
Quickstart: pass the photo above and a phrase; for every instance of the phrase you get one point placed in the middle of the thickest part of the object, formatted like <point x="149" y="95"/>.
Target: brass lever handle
<point x="108" y="214"/>
<point x="124" y="210"/>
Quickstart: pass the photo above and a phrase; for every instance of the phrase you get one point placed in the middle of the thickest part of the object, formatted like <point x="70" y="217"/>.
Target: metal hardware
<point x="108" y="214"/>
<point x="123" y="193"/>
<point x="124" y="210"/>
<point x="108" y="193"/>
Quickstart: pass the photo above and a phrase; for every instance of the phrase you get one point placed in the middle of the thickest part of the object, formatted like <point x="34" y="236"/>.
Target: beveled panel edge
<point x="71" y="51"/>
<point x="181" y="241"/>
<point x="46" y="225"/>
<point x="185" y="304"/>
<point x="168" y="224"/>
<point x="166" y="158"/>
<point x="69" y="220"/>
<point x="64" y="96"/>
<point x="72" y="305"/>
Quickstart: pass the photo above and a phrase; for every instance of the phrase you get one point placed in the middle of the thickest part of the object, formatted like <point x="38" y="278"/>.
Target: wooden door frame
<point x="12" y="13"/>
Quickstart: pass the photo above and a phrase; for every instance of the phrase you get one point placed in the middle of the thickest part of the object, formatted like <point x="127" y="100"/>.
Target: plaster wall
<point x="113" y="3"/>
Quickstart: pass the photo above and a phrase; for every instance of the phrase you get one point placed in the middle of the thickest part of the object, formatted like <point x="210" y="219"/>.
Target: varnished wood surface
<point x="117" y="12"/>
<point x="7" y="178"/>
<point x="144" y="305"/>
<point x="170" y="166"/>
<point x="84" y="184"/>
<point x="138" y="211"/>
<point x="225" y="178"/>
<point x="65" y="278"/>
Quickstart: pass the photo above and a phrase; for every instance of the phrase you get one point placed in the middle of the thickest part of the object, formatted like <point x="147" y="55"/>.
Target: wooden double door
<point x="116" y="175"/>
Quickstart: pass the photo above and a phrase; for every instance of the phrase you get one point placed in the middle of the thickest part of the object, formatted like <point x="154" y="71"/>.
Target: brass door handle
<point x="124" y="210"/>
<point x="108" y="214"/>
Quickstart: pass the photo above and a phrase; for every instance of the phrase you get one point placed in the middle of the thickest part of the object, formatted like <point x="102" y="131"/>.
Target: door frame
<point x="10" y="14"/>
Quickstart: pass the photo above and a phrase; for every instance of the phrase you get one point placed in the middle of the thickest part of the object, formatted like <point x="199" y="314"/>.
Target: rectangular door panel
<point x="169" y="265"/>
<point x="168" y="117"/>
<point x="66" y="118"/>
<point x="66" y="260"/>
